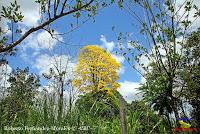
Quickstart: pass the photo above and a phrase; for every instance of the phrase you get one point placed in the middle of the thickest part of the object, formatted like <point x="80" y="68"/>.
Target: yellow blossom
<point x="97" y="70"/>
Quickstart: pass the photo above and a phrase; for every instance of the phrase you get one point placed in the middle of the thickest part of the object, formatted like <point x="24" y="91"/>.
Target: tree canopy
<point x="96" y="69"/>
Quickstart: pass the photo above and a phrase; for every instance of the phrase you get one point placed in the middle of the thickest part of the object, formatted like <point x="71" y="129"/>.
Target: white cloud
<point x="63" y="62"/>
<point x="118" y="58"/>
<point x="109" y="46"/>
<point x="146" y="61"/>
<point x="4" y="27"/>
<point x="129" y="91"/>
<point x="121" y="70"/>
<point x="43" y="63"/>
<point x="142" y="80"/>
<point x="30" y="10"/>
<point x="42" y="40"/>
<point x="142" y="60"/>
<point x="5" y="70"/>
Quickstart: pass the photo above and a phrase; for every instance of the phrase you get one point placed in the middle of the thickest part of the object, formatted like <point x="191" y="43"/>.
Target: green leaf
<point x="120" y="3"/>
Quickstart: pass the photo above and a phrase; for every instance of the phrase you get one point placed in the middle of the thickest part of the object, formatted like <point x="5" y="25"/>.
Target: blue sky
<point x="39" y="51"/>
<point x="89" y="33"/>
<point x="33" y="53"/>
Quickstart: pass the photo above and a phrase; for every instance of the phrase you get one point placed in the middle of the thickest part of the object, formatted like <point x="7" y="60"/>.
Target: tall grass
<point x="44" y="114"/>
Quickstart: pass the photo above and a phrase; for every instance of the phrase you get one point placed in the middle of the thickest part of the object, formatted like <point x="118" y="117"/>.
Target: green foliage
<point x="97" y="111"/>
<point x="12" y="12"/>
<point x="190" y="74"/>
<point x="165" y="31"/>
<point x="156" y="92"/>
<point x="141" y="119"/>
<point x="94" y="112"/>
<point x="99" y="104"/>
<point x="20" y="97"/>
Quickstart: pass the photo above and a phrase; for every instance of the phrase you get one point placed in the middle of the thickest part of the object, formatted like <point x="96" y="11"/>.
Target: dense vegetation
<point x="88" y="102"/>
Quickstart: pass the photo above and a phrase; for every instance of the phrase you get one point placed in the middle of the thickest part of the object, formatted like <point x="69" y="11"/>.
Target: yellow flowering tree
<point x="96" y="70"/>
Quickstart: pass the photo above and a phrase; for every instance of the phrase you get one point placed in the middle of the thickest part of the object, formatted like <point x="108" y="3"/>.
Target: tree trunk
<point x="173" y="99"/>
<point x="123" y="116"/>
<point x="174" y="106"/>
<point x="60" y="105"/>
<point x="168" y="119"/>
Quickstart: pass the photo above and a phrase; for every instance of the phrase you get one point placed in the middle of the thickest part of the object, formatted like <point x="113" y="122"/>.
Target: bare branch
<point x="63" y="6"/>
<point x="49" y="9"/>
<point x="30" y="31"/>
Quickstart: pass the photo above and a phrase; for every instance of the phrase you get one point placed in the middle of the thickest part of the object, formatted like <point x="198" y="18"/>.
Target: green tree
<point x="155" y="92"/>
<point x="99" y="104"/>
<point x="190" y="74"/>
<point x="141" y="119"/>
<point x="20" y="96"/>
<point x="165" y="31"/>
